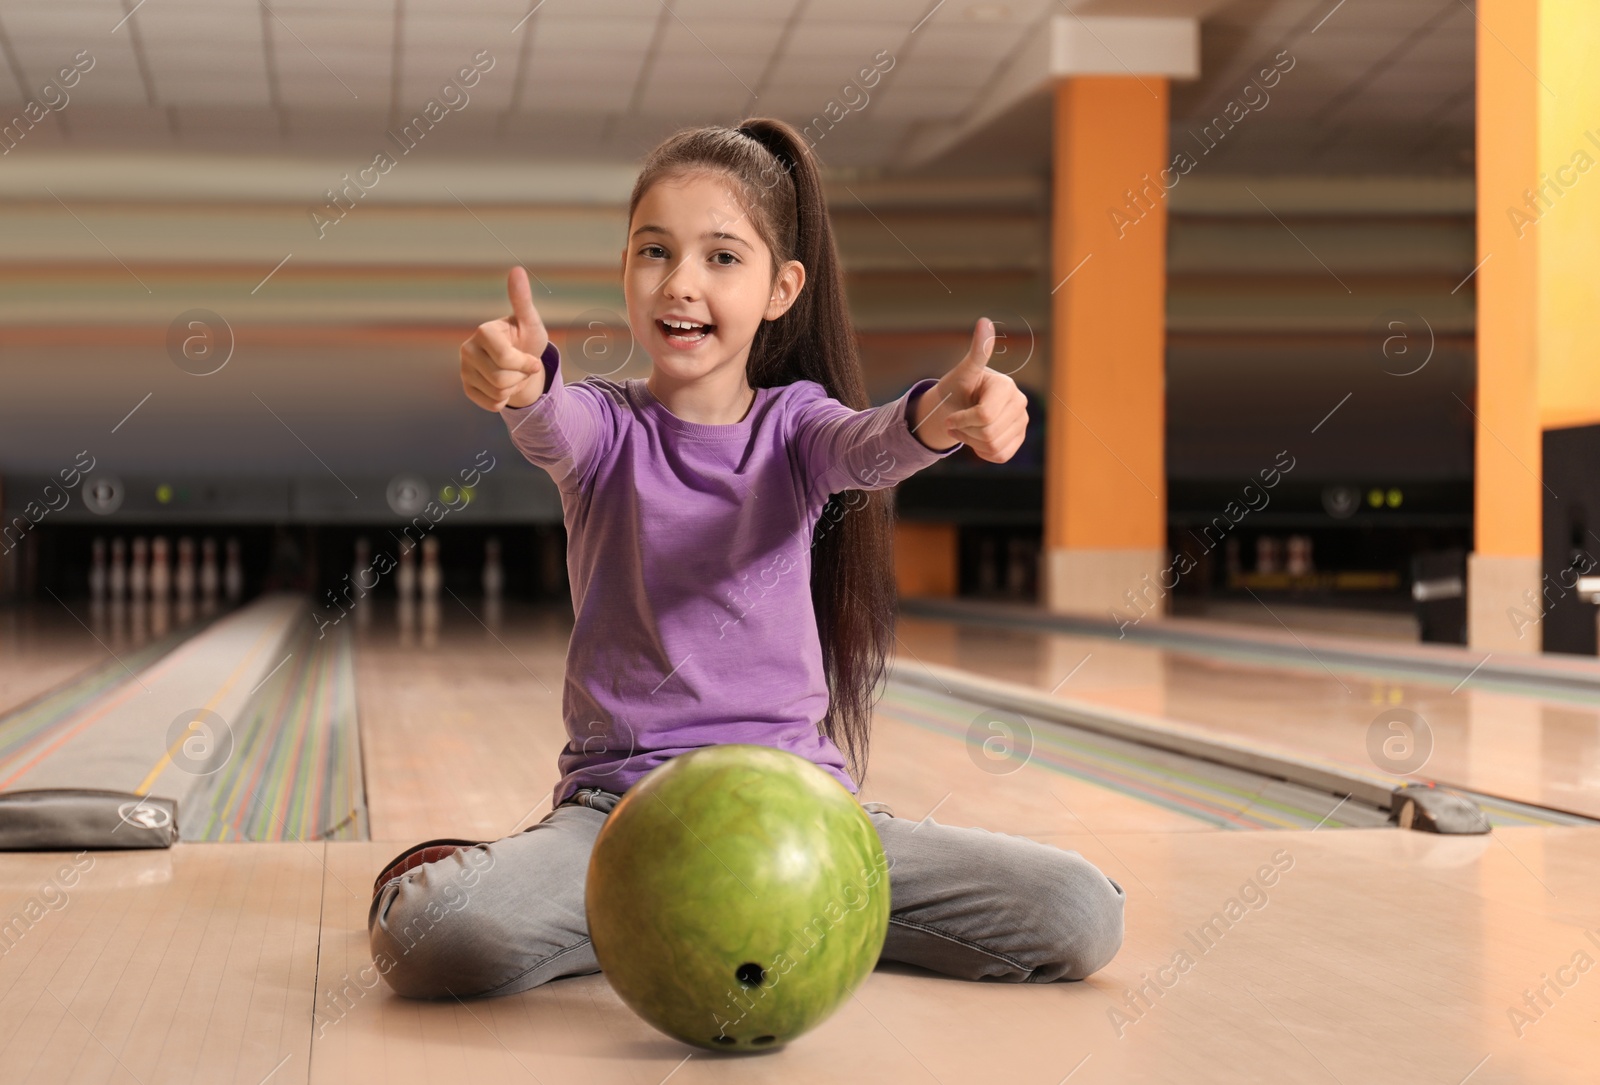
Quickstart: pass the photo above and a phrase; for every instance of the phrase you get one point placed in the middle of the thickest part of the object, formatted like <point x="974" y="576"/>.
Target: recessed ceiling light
<point x="986" y="13"/>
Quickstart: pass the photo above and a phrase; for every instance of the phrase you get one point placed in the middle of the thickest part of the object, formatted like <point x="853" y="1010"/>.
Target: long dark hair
<point x="852" y="556"/>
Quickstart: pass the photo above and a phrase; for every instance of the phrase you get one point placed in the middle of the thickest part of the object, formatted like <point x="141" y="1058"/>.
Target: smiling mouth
<point x="693" y="333"/>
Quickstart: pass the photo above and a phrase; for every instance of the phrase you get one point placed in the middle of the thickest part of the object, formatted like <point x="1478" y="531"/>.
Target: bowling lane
<point x="461" y="727"/>
<point x="193" y="964"/>
<point x="1539" y="750"/>
<point x="198" y="963"/>
<point x="124" y="740"/>
<point x="1418" y="944"/>
<point x="42" y="647"/>
<point x="460" y="716"/>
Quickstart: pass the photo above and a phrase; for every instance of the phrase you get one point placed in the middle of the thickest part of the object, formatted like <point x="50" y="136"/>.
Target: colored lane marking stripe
<point x="1170" y="788"/>
<point x="26" y="723"/>
<point x="210" y="706"/>
<point x="115" y="700"/>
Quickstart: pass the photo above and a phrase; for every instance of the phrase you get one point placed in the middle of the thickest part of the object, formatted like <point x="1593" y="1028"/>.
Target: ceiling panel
<point x="825" y="75"/>
<point x="58" y="33"/>
<point x="853" y="43"/>
<point x="587" y="34"/>
<point x="730" y="69"/>
<point x="111" y="67"/>
<point x="42" y="56"/>
<point x="914" y="104"/>
<point x="198" y="29"/>
<point x="470" y="31"/>
<point x="580" y="80"/>
<point x="127" y="117"/>
<point x="905" y="13"/>
<point x="696" y="12"/>
<point x="601" y="96"/>
<point x="101" y="89"/>
<point x="503" y="13"/>
<point x="978" y="43"/>
<point x="491" y="94"/>
<point x="723" y="36"/>
<point x="1269" y="13"/>
<point x="675" y="98"/>
<point x="364" y="8"/>
<point x="921" y="70"/>
<point x="236" y="124"/>
<point x="214" y="89"/>
<point x="344" y="59"/>
<point x="590" y="69"/>
<point x="320" y="30"/>
<point x="610" y="9"/>
<point x="311" y="89"/>
<point x="798" y="102"/>
<point x="1395" y="15"/>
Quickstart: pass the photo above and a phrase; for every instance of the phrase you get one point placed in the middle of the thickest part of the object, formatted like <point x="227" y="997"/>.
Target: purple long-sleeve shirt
<point x="689" y="553"/>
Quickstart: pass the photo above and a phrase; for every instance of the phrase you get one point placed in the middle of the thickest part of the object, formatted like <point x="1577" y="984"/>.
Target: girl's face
<point x="694" y="257"/>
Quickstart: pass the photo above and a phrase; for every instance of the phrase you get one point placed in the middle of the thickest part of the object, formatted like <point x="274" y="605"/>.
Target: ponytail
<point x="852" y="556"/>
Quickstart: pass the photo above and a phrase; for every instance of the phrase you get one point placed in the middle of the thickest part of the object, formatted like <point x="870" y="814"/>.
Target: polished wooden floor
<point x="1539" y="750"/>
<point x="40" y="649"/>
<point x="1376" y="956"/>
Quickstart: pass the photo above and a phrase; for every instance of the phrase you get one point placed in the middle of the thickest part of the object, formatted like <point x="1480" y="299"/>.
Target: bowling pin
<point x="432" y="578"/>
<point x="1266" y="553"/>
<point x="97" y="587"/>
<point x="405" y="577"/>
<point x="160" y="586"/>
<point x="209" y="578"/>
<point x="139" y="590"/>
<point x="364" y="578"/>
<point x="117" y="575"/>
<point x="494" y="574"/>
<point x="97" y="570"/>
<point x="160" y="570"/>
<point x="139" y="570"/>
<point x="233" y="573"/>
<point x="1298" y="557"/>
<point x="183" y="578"/>
<point x="405" y="586"/>
<point x="358" y="574"/>
<point x="494" y="582"/>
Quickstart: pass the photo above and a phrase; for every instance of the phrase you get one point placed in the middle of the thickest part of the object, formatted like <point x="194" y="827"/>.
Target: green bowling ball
<point x="736" y="896"/>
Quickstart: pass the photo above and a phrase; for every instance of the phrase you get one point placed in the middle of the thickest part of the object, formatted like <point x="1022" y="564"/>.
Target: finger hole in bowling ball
<point x="723" y="1040"/>
<point x="763" y="1039"/>
<point x="750" y="974"/>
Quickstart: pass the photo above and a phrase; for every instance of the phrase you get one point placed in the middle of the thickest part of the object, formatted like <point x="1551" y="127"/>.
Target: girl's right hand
<point x="500" y="364"/>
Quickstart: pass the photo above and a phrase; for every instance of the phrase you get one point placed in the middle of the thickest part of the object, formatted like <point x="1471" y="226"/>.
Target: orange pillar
<point x="1105" y="474"/>
<point x="1567" y="213"/>
<point x="1505" y="563"/>
<point x="925" y="558"/>
<point x="1538" y="217"/>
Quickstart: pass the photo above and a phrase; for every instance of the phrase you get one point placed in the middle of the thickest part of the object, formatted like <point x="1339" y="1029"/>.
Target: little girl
<point x="724" y="589"/>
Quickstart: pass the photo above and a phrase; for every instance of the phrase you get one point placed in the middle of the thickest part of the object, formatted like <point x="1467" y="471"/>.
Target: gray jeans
<point x="506" y="916"/>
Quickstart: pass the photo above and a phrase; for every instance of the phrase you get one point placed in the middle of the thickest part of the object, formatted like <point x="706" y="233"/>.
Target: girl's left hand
<point x="974" y="405"/>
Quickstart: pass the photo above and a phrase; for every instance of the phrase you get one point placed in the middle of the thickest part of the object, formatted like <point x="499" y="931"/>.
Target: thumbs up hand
<point x="500" y="364"/>
<point x="974" y="405"/>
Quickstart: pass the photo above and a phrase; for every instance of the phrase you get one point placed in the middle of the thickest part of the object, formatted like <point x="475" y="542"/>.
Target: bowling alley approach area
<point x="1045" y="542"/>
